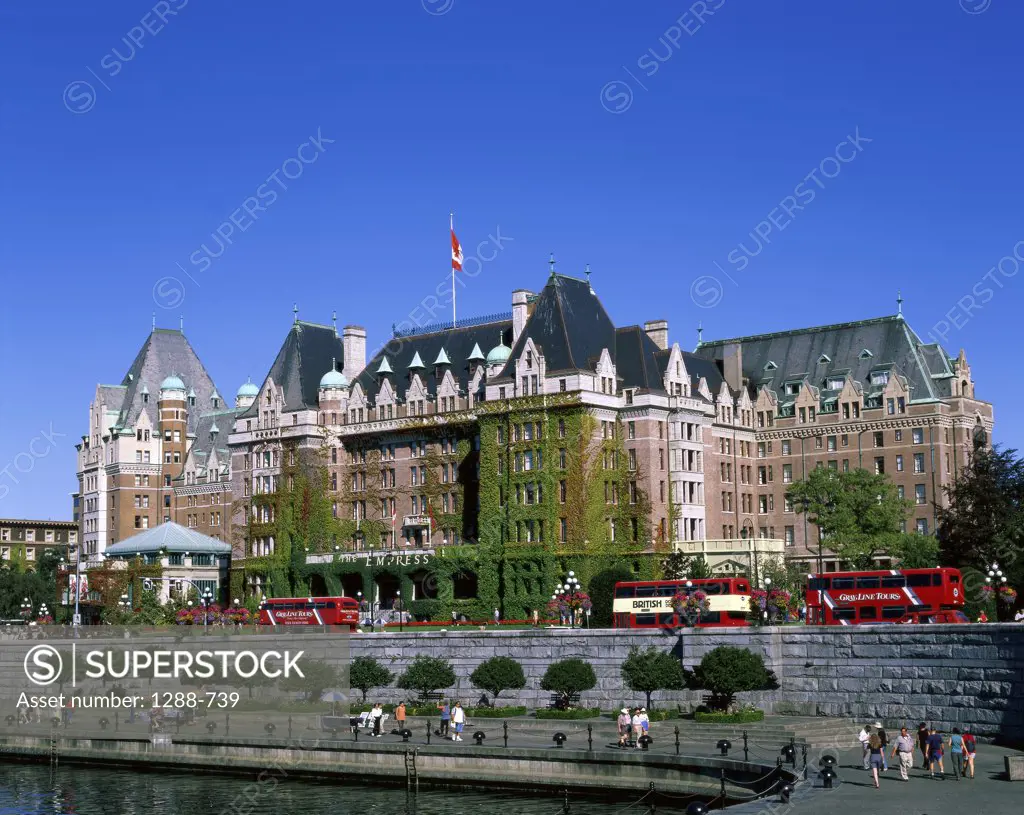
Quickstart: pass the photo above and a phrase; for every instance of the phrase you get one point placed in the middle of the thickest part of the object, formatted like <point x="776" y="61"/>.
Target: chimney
<point x="732" y="365"/>
<point x="657" y="330"/>
<point x="354" y="342"/>
<point x="519" y="312"/>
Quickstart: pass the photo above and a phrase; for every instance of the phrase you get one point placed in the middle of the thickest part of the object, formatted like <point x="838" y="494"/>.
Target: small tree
<point x="726" y="671"/>
<point x="319" y="676"/>
<point x="366" y="673"/>
<point x="650" y="670"/>
<point x="602" y="590"/>
<point x="426" y="674"/>
<point x="570" y="676"/>
<point x="498" y="674"/>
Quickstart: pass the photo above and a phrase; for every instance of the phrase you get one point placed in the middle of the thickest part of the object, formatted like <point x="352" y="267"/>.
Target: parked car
<point x="946" y="617"/>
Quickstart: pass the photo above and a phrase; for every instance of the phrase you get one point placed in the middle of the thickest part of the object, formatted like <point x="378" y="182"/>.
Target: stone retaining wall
<point x="947" y="675"/>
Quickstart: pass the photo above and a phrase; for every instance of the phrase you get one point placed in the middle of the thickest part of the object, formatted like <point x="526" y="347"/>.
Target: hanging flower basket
<point x="237" y="616"/>
<point x="1007" y="595"/>
<point x="46" y="619"/>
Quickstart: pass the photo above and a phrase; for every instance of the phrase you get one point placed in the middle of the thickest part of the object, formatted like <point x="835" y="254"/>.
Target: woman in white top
<point x="458" y="720"/>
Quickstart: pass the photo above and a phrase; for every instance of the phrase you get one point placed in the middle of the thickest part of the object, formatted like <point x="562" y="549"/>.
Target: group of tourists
<point x="632" y="727"/>
<point x="930" y="741"/>
<point x="453" y="720"/>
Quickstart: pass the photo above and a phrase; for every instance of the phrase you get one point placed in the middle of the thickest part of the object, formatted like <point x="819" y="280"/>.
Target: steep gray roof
<point x="891" y="344"/>
<point x="306" y="355"/>
<point x="165" y="352"/>
<point x="458" y="343"/>
<point x="205" y="442"/>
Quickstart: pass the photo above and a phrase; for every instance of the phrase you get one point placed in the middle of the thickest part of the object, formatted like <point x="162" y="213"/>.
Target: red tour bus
<point x="648" y="603"/>
<point x="887" y="596"/>
<point x="310" y="611"/>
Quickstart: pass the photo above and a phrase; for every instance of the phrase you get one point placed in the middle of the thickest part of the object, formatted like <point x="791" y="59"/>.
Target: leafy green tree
<point x="726" y="671"/>
<point x="983" y="521"/>
<point x="679" y="566"/>
<point x="650" y="670"/>
<point x="318" y="677"/>
<point x="427" y="674"/>
<point x="858" y="514"/>
<point x="366" y="673"/>
<point x="915" y="551"/>
<point x="569" y="676"/>
<point x="497" y="674"/>
<point x="15" y="586"/>
<point x="788" y="576"/>
<point x="602" y="593"/>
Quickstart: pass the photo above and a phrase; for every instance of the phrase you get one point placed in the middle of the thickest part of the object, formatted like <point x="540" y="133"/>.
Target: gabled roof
<point x="205" y="441"/>
<point x="165" y="352"/>
<point x="891" y="342"/>
<point x="568" y="325"/>
<point x="172" y="537"/>
<point x="307" y="351"/>
<point x="457" y="342"/>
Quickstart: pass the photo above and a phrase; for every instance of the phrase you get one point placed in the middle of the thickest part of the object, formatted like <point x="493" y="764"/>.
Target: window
<point x="879" y="439"/>
<point x="787" y="504"/>
<point x="890" y="406"/>
<point x="561" y="427"/>
<point x="918" y="435"/>
<point x="920" y="496"/>
<point x="30" y="535"/>
<point x="631" y="430"/>
<point x="831" y="444"/>
<point x="787" y="447"/>
<point x="632" y="459"/>
<point x="921" y="526"/>
<point x="899" y="464"/>
<point x="897" y="435"/>
<point x="790" y="535"/>
<point x="901" y="491"/>
<point x="818" y="442"/>
<point x="918" y="462"/>
<point x="901" y="404"/>
<point x="880" y="466"/>
<point x="787" y="473"/>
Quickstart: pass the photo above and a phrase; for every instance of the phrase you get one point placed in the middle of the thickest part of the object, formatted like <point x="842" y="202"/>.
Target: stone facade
<point x="942" y="675"/>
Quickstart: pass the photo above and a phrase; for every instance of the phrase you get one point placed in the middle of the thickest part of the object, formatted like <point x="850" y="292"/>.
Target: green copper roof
<point x="172" y="538"/>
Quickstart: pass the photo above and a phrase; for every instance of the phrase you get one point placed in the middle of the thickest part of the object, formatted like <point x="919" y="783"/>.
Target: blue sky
<point x="648" y="139"/>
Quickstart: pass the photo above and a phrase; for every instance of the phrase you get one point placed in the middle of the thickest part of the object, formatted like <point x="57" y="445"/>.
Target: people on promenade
<point x="884" y="738"/>
<point x="645" y="722"/>
<point x="637" y="725"/>
<point x="458" y="721"/>
<point x="625" y="724"/>
<point x="446" y="718"/>
<point x="864" y="737"/>
<point x="983" y="617"/>
<point x="922" y="742"/>
<point x="956" y="750"/>
<point x="935" y="753"/>
<point x="875" y="755"/>
<point x="903" y="748"/>
<point x="400" y="716"/>
<point x="970" y="747"/>
<point x="377" y="715"/>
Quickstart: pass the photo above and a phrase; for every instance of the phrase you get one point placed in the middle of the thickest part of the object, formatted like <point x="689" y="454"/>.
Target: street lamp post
<point x="25" y="609"/>
<point x="74" y="549"/>
<point x="767" y="589"/>
<point x="398" y="602"/>
<point x="205" y="600"/>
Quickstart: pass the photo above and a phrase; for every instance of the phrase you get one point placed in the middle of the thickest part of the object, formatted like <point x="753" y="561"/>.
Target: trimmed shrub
<point x="427" y="674"/>
<point x="742" y="717"/>
<point x="726" y="671"/>
<point x="366" y="673"/>
<point x="649" y="670"/>
<point x="497" y="674"/>
<point x="495" y="712"/>
<point x="569" y="676"/>
<point x="575" y="713"/>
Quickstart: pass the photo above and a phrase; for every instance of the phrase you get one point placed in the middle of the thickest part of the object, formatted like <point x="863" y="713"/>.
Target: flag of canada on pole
<point x="456" y="248"/>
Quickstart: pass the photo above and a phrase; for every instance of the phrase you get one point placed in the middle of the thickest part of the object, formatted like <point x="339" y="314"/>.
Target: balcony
<point x="416" y="521"/>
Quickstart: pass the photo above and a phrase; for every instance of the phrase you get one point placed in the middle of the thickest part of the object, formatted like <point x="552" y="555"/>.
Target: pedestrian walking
<point x="864" y="737"/>
<point x="497" y="616"/>
<point x="884" y="738"/>
<point x="637" y="725"/>
<point x="625" y="724"/>
<point x="970" y="746"/>
<point x="935" y="753"/>
<point x="446" y="718"/>
<point x="645" y="722"/>
<point x="922" y="742"/>
<point x="903" y="748"/>
<point x="377" y="715"/>
<point x="400" y="716"/>
<point x="956" y="750"/>
<point x="458" y="720"/>
<point x="875" y="756"/>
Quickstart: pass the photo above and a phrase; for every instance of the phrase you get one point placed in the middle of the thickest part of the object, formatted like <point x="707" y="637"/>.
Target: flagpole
<point x="451" y="227"/>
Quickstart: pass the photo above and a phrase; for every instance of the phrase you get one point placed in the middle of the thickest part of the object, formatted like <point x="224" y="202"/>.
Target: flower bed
<point x="739" y="717"/>
<point x="574" y="713"/>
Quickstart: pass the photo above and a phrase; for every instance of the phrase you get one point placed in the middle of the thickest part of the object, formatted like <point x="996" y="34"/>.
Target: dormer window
<point x="770" y="366"/>
<point x="792" y="388"/>
<point x="835" y="383"/>
<point x="865" y="354"/>
<point x="529" y="359"/>
<point x="824" y="359"/>
<point x="879" y="377"/>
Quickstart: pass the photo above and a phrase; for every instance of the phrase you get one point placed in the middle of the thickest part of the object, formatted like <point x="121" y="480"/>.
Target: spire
<point x="154" y="321"/>
<point x="416" y="362"/>
<point x="700" y="333"/>
<point x="476" y="353"/>
<point x="442" y="358"/>
<point x="586" y="271"/>
<point x="551" y="263"/>
<point x="181" y="323"/>
<point x="334" y="321"/>
<point x="295" y="312"/>
<point x="899" y="303"/>
<point x="384" y="367"/>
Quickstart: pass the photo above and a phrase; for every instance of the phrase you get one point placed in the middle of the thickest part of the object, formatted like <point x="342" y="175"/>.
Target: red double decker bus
<point x="310" y="611"/>
<point x="648" y="603"/>
<point x="889" y="596"/>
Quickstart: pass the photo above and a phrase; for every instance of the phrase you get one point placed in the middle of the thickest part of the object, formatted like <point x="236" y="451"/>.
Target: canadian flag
<point x="456" y="246"/>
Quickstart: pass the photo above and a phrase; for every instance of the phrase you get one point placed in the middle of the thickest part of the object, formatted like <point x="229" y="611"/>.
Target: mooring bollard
<point x="289" y="727"/>
<point x="803" y="752"/>
<point x="723" y="786"/>
<point x="590" y="737"/>
<point x="746" y="754"/>
<point x="227" y="724"/>
<point x="504" y="730"/>
<point x="117" y="719"/>
<point x="677" y="739"/>
<point x="428" y="732"/>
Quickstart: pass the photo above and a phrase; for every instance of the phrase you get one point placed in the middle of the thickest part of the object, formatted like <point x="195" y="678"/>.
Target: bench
<point x="559" y="700"/>
<point x="433" y="696"/>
